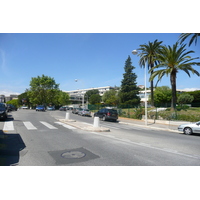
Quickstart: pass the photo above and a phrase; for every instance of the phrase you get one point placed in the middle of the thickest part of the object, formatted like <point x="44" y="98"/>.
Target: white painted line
<point x="48" y="125"/>
<point x="65" y="125"/>
<point x="29" y="126"/>
<point x="8" y="126"/>
<point x="68" y="126"/>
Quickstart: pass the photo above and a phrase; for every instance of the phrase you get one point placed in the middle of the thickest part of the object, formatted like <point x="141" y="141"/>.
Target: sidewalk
<point x="154" y="124"/>
<point x="157" y="124"/>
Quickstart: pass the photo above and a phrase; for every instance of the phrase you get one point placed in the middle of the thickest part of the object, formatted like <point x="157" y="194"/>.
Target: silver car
<point x="84" y="112"/>
<point x="191" y="128"/>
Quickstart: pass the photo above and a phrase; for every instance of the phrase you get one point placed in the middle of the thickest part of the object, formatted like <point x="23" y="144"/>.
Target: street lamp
<point x="76" y="80"/>
<point x="135" y="52"/>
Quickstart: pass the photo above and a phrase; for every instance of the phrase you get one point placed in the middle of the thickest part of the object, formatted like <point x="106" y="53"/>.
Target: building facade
<point x="77" y="96"/>
<point x="4" y="99"/>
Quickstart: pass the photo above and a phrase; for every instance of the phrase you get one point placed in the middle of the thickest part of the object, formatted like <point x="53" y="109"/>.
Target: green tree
<point x="162" y="96"/>
<point x="95" y="99"/>
<point x="129" y="91"/>
<point x="173" y="59"/>
<point x="93" y="96"/>
<point x="63" y="98"/>
<point x="23" y="99"/>
<point x="110" y="97"/>
<point x="196" y="95"/>
<point x="185" y="98"/>
<point x="89" y="93"/>
<point x="148" y="55"/>
<point x="43" y="90"/>
<point x="14" y="102"/>
<point x="184" y="36"/>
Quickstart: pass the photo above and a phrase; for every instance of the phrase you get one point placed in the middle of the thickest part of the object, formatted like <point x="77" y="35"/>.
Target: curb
<point x="150" y="127"/>
<point x="84" y="127"/>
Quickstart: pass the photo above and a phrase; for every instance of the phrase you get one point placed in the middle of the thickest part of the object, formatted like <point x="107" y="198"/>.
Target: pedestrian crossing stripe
<point x="9" y="126"/>
<point x="65" y="125"/>
<point x="29" y="126"/>
<point x="48" y="125"/>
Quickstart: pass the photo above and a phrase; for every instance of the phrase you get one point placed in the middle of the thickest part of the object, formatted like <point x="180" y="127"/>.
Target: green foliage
<point x="194" y="37"/>
<point x="43" y="90"/>
<point x="148" y="56"/>
<point x="162" y="95"/>
<point x="93" y="96"/>
<point x="134" y="113"/>
<point x="196" y="95"/>
<point x="110" y="97"/>
<point x="14" y="102"/>
<point x="23" y="98"/>
<point x="129" y="90"/>
<point x="185" y="98"/>
<point x="171" y="60"/>
<point x="63" y="98"/>
<point x="89" y="93"/>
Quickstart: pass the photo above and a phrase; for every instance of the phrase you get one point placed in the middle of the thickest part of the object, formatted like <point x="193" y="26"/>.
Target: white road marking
<point x="48" y="125"/>
<point x="29" y="126"/>
<point x="65" y="125"/>
<point x="8" y="126"/>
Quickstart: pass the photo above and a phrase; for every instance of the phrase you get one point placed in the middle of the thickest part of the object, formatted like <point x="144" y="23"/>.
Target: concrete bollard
<point x="96" y="122"/>
<point x="67" y="117"/>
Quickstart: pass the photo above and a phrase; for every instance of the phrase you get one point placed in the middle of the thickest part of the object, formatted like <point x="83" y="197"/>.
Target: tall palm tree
<point x="172" y="59"/>
<point x="149" y="54"/>
<point x="184" y="36"/>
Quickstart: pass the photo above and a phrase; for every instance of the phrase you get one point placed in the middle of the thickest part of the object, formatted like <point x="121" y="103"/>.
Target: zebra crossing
<point x="10" y="125"/>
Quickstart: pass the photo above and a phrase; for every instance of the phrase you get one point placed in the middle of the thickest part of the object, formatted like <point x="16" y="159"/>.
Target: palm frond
<point x="184" y="36"/>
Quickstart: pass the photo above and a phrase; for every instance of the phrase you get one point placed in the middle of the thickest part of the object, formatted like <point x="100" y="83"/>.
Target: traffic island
<point x="84" y="126"/>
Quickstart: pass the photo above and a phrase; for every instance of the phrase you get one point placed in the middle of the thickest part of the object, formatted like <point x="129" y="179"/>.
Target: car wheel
<point x="187" y="131"/>
<point x="104" y="118"/>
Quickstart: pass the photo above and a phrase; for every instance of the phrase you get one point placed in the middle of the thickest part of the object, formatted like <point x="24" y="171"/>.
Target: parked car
<point x="75" y="110"/>
<point x="50" y="108"/>
<point x="63" y="108"/>
<point x="11" y="107"/>
<point x="84" y="112"/>
<point x="189" y="129"/>
<point x="40" y="108"/>
<point x="24" y="107"/>
<point x="107" y="114"/>
<point x="3" y="112"/>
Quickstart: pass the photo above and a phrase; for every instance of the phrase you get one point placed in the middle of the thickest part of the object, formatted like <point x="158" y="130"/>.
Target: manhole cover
<point x="70" y="156"/>
<point x="73" y="154"/>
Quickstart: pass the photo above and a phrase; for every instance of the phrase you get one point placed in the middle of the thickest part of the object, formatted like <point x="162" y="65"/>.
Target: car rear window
<point x="113" y="111"/>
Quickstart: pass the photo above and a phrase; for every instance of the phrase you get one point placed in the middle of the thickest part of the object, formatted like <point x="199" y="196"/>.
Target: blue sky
<point x="95" y="59"/>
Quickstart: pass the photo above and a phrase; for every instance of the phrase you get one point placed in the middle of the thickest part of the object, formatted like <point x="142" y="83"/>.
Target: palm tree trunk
<point x="173" y="84"/>
<point x="152" y="96"/>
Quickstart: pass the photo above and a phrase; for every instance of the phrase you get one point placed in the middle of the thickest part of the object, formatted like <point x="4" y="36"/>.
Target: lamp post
<point x="76" y="80"/>
<point x="135" y="52"/>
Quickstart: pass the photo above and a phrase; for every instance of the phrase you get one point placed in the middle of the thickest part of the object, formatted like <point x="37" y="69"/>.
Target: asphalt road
<point x="39" y="139"/>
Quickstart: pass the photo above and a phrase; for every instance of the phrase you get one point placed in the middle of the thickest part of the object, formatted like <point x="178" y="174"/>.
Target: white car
<point x="191" y="128"/>
<point x="24" y="107"/>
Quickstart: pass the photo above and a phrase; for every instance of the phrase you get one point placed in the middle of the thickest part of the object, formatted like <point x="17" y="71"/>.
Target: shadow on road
<point x="10" y="146"/>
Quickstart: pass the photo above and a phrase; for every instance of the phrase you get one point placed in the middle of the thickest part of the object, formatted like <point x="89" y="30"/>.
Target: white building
<point x="76" y="96"/>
